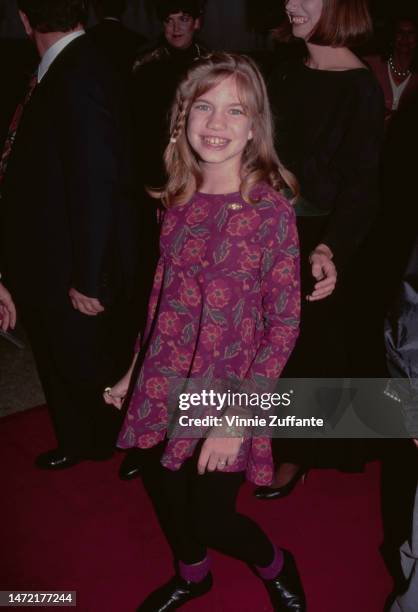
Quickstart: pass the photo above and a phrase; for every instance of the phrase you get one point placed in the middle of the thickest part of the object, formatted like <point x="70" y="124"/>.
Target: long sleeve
<point x="91" y="153"/>
<point x="329" y="131"/>
<point x="356" y="202"/>
<point x="280" y="288"/>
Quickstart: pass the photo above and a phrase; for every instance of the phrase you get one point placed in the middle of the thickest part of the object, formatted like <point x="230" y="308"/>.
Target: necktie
<point x="11" y="134"/>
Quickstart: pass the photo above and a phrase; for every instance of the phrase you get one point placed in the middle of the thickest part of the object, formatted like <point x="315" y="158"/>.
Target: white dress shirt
<point x="397" y="90"/>
<point x="53" y="52"/>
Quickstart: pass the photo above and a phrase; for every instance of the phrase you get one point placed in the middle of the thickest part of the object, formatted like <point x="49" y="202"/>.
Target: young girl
<point x="225" y="305"/>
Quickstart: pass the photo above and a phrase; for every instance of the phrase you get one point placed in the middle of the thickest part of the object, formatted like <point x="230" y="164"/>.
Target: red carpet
<point x="86" y="531"/>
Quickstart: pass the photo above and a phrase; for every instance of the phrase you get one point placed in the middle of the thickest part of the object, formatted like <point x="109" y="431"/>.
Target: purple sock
<point x="196" y="572"/>
<point x="275" y="567"/>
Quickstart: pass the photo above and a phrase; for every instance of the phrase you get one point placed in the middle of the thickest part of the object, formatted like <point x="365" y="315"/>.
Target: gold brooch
<point x="234" y="206"/>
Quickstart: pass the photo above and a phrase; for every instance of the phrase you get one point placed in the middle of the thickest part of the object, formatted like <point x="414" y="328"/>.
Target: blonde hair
<point x="259" y="162"/>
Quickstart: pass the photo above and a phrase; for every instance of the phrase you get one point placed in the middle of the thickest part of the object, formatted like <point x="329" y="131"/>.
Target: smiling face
<point x="218" y="127"/>
<point x="304" y="16"/>
<point x="179" y="29"/>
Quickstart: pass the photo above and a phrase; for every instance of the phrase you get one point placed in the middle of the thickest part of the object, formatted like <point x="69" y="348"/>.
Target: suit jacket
<point x="118" y="43"/>
<point x="68" y="214"/>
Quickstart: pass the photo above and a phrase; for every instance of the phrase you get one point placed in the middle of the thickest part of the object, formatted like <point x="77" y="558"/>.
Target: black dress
<point x="329" y="129"/>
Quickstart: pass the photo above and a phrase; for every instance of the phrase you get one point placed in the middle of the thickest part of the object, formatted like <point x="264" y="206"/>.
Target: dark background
<point x="229" y="24"/>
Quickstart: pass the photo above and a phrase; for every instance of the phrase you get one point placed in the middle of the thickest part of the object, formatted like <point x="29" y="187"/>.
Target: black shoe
<point x="286" y="591"/>
<point x="280" y="492"/>
<point x="131" y="464"/>
<point x="56" y="460"/>
<point x="175" y="594"/>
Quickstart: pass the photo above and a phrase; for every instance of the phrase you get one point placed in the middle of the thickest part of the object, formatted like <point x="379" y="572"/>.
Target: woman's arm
<point x="356" y="203"/>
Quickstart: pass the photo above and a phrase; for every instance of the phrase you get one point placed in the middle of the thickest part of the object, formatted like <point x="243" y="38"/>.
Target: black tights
<point x="196" y="512"/>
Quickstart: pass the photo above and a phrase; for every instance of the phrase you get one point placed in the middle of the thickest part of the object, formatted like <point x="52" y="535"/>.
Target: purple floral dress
<point x="225" y="304"/>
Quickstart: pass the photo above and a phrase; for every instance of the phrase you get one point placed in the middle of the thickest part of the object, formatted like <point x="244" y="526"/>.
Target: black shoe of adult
<point x="283" y="491"/>
<point x="131" y="465"/>
<point x="56" y="460"/>
<point x="286" y="591"/>
<point x="175" y="594"/>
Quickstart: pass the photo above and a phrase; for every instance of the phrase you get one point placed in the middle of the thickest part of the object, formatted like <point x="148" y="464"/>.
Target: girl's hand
<point x="217" y="453"/>
<point x="324" y="271"/>
<point x="116" y="394"/>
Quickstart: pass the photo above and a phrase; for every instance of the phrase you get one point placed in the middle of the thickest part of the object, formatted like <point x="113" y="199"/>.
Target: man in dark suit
<point x="118" y="43"/>
<point x="69" y="231"/>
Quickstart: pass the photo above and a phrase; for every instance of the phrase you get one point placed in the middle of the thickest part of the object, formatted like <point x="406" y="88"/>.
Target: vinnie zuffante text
<point x="228" y="401"/>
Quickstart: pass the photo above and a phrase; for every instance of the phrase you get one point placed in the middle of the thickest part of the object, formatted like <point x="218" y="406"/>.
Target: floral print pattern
<point x="225" y="305"/>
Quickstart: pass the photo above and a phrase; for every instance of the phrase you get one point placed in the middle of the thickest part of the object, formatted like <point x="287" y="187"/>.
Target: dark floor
<point x="19" y="384"/>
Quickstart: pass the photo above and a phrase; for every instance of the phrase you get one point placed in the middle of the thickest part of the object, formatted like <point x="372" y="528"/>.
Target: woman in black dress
<point x="330" y="113"/>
